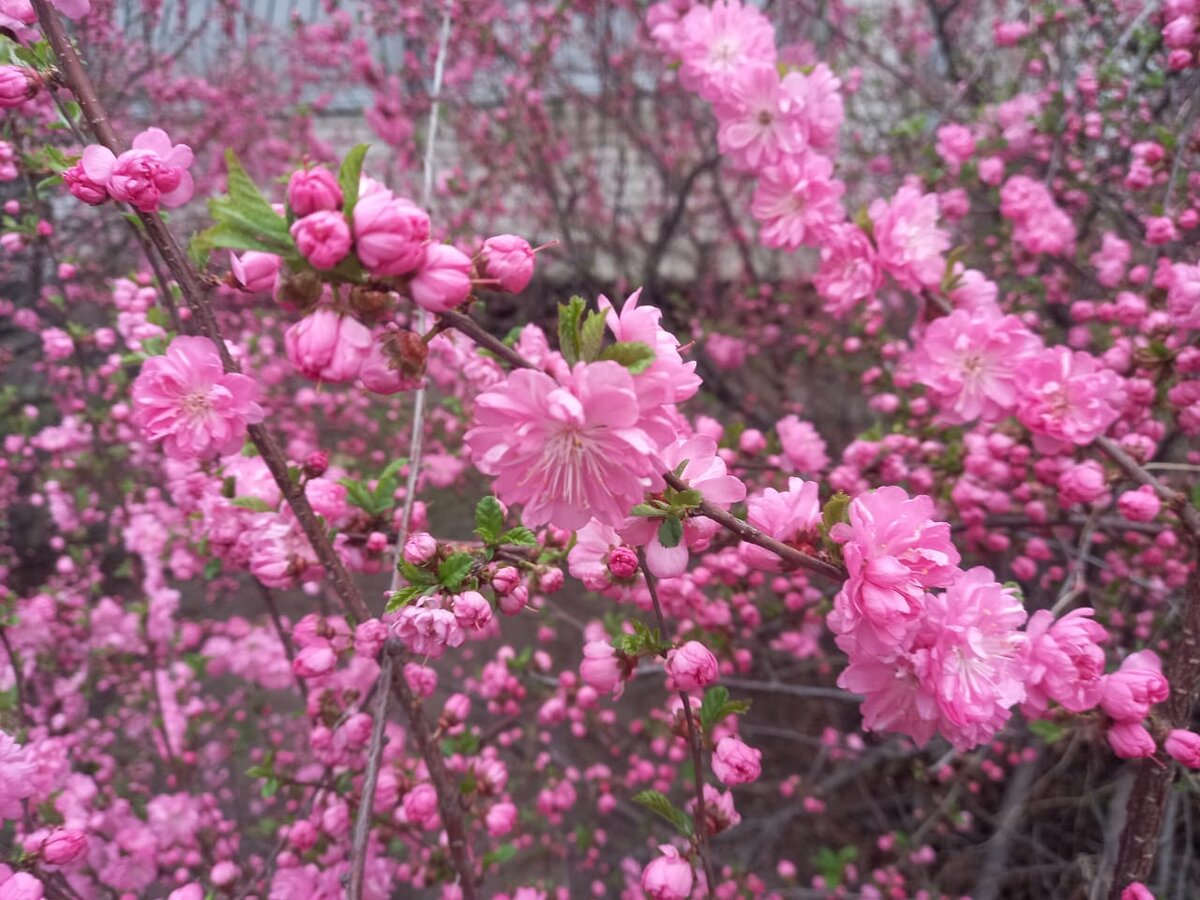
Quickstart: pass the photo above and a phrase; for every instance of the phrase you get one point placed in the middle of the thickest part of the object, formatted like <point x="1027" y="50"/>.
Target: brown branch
<point x="18" y="678"/>
<point x="462" y="322"/>
<point x="700" y="817"/>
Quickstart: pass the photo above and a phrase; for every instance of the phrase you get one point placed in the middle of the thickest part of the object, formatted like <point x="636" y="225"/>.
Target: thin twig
<point x="362" y="822"/>
<point x="700" y="817"/>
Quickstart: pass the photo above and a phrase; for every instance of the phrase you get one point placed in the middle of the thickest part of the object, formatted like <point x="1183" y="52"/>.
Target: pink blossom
<point x="797" y="200"/>
<point x="1183" y="296"/>
<point x="668" y="877"/>
<point x="153" y="173"/>
<point x="385" y="369"/>
<point x="510" y="260"/>
<point x="1141" y="505"/>
<point x="189" y="402"/>
<point x="1184" y="746"/>
<point x="1067" y="397"/>
<point x="326" y="346"/>
<point x="1129" y="740"/>
<point x="315" y="660"/>
<point x="1040" y="226"/>
<point x="323" y="238"/>
<point x="761" y="121"/>
<point x="910" y="244"/>
<point x="802" y="445"/>
<point x="850" y="271"/>
<point x="390" y="234"/>
<point x="21" y="886"/>
<point x="421" y="806"/>
<point x="1065" y="661"/>
<point x="312" y="190"/>
<point x="62" y="845"/>
<point x="566" y="449"/>
<point x="428" y="630"/>
<point x="501" y="818"/>
<point x="1083" y="482"/>
<point x="691" y="666"/>
<point x="1136" y="891"/>
<point x="716" y="41"/>
<point x="893" y="551"/>
<point x="1129" y="692"/>
<point x="256" y="272"/>
<point x="819" y="93"/>
<point x="790" y="516"/>
<point x="17" y="84"/>
<point x="471" y="610"/>
<point x="16" y="773"/>
<point x="955" y="145"/>
<point x="601" y="667"/>
<point x="736" y="763"/>
<point x="84" y="188"/>
<point x="969" y="363"/>
<point x="444" y="279"/>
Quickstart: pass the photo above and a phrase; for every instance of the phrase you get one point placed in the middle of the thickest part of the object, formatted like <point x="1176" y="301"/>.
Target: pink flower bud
<point x="21" y="886"/>
<point x="1184" y="746"/>
<point x="422" y="679"/>
<point x="669" y="877"/>
<point x="389" y="234"/>
<point x="691" y="666"/>
<point x="1136" y="891"/>
<point x="1129" y="740"/>
<point x="510" y="260"/>
<point x="500" y="819"/>
<point x="17" y="84"/>
<point x="420" y="548"/>
<point x="369" y="638"/>
<point x="444" y="279"/>
<point x="84" y="188"/>
<point x="1141" y="505"/>
<point x="315" y="660"/>
<point x="514" y="601"/>
<point x="302" y="835"/>
<point x="313" y="190"/>
<point x="736" y="763"/>
<point x="622" y="563"/>
<point x="601" y="667"/>
<point x="457" y="708"/>
<point x="62" y="845"/>
<point x="357" y="730"/>
<point x="316" y="463"/>
<point x="328" y="347"/>
<point x="505" y="579"/>
<point x="472" y="611"/>
<point x="1129" y="692"/>
<point x="420" y="806"/>
<point x="224" y="873"/>
<point x="550" y="581"/>
<point x="323" y="238"/>
<point x="256" y="272"/>
<point x="1082" y="483"/>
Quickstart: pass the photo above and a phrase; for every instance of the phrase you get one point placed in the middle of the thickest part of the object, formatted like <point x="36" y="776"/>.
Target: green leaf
<point x="658" y="803"/>
<point x="501" y="854"/>
<point x="244" y="219"/>
<point x="716" y="707"/>
<point x="670" y="532"/>
<point x="270" y="788"/>
<point x="591" y="336"/>
<point x="644" y="640"/>
<point x="834" y="511"/>
<point x="414" y="575"/>
<point x="647" y="511"/>
<point x="520" y="536"/>
<point x="633" y="355"/>
<point x="489" y="520"/>
<point x="569" y="317"/>
<point x="348" y="178"/>
<point x="405" y="596"/>
<point x="453" y="569"/>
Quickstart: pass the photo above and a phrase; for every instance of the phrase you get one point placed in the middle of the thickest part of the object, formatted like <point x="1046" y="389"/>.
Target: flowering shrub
<point x="852" y="553"/>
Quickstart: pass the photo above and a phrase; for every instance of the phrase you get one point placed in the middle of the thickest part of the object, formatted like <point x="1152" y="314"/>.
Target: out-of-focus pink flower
<point x="790" y="516"/>
<point x="1083" y="482"/>
<point x="850" y="271"/>
<point x="326" y="346"/>
<point x="255" y="271"/>
<point x="1136" y="891"/>
<point x="797" y="200"/>
<point x="312" y="190"/>
<point x="189" y="402"/>
<point x="323" y="238"/>
<point x="501" y="818"/>
<point x="1141" y="505"/>
<point x="910" y="244"/>
<point x="1184" y="746"/>
<point x="1183" y="296"/>
<point x="802" y="445"/>
<point x="315" y="660"/>
<point x="717" y="41"/>
<point x="510" y="260"/>
<point x="955" y="145"/>
<point x="62" y="845"/>
<point x="601" y="667"/>
<point x="444" y="279"/>
<point x="17" y="84"/>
